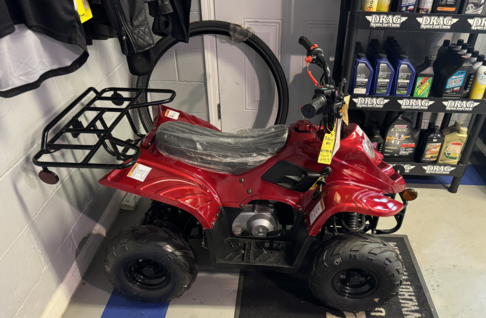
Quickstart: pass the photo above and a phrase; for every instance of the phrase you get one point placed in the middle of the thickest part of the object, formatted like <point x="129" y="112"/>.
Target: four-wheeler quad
<point x="258" y="199"/>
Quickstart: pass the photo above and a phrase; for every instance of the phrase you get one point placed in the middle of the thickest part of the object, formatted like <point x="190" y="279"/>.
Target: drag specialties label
<point x="477" y="23"/>
<point x="420" y="104"/>
<point x="433" y="169"/>
<point x="436" y="22"/>
<point x="386" y="20"/>
<point x="460" y="105"/>
<point x="407" y="167"/>
<point x="370" y="102"/>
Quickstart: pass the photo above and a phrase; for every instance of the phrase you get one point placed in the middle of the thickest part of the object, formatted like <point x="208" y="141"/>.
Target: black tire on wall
<point x="356" y="272"/>
<point x="150" y="264"/>
<point x="223" y="28"/>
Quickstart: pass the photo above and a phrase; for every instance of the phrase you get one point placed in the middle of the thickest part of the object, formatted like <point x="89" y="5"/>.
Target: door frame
<point x="211" y="66"/>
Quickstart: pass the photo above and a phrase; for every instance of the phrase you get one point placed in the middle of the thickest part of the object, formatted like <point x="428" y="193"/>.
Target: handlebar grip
<point x="314" y="107"/>
<point x="305" y="42"/>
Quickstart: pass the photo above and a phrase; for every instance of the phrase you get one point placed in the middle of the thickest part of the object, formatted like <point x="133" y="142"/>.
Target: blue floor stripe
<point x="119" y="307"/>
<point x="474" y="175"/>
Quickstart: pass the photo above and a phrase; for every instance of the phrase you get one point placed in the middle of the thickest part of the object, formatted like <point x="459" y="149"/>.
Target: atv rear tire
<point x="150" y="264"/>
<point x="356" y="273"/>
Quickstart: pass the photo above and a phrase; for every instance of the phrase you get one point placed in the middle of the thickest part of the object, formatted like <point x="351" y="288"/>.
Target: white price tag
<point x="172" y="114"/>
<point x="139" y="172"/>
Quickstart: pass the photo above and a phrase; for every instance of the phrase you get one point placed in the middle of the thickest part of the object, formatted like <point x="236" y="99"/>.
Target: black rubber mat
<point x="267" y="294"/>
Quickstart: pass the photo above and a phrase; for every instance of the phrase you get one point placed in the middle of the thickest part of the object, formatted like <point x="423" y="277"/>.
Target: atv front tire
<point x="150" y="264"/>
<point x="356" y="272"/>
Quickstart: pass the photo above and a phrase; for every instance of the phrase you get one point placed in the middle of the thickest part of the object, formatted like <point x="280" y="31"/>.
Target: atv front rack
<point x="97" y="126"/>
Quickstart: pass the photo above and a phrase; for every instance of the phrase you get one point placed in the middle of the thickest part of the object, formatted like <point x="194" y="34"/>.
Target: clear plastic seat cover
<point x="232" y="153"/>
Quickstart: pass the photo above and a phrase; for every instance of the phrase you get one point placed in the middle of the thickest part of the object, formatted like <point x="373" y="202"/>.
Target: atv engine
<point x="257" y="219"/>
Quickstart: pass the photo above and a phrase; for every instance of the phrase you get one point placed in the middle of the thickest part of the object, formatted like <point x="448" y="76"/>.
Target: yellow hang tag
<point x="84" y="11"/>
<point x="327" y="148"/>
<point x="344" y="109"/>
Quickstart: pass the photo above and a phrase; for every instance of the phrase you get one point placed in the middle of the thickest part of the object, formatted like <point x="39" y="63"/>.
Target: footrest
<point x="256" y="252"/>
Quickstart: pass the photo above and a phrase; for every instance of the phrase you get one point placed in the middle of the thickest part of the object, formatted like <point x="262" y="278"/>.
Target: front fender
<point x="348" y="199"/>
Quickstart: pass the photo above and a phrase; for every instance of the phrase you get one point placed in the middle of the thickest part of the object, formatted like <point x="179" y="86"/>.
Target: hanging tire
<point x="150" y="264"/>
<point x="220" y="28"/>
<point x="356" y="273"/>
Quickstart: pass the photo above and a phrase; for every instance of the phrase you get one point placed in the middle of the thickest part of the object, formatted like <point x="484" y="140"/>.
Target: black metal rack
<point x="97" y="126"/>
<point x="352" y="19"/>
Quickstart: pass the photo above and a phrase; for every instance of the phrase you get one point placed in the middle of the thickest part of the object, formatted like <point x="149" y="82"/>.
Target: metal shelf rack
<point x="352" y="19"/>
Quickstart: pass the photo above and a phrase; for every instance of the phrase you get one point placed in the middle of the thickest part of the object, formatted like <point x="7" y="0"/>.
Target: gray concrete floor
<point x="446" y="232"/>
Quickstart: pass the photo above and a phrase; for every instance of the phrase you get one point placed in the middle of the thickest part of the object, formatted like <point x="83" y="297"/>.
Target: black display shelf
<point x="352" y="19"/>
<point x="429" y="169"/>
<point x="410" y="104"/>
<point x="416" y="22"/>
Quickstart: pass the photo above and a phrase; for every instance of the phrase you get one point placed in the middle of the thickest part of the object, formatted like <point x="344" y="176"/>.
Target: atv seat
<point x="231" y="153"/>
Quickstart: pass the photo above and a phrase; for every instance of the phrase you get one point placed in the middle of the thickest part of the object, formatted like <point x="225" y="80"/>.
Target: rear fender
<point x="169" y="185"/>
<point x="349" y="199"/>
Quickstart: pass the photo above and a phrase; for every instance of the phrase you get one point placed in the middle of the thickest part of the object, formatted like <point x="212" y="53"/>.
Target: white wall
<point x="44" y="227"/>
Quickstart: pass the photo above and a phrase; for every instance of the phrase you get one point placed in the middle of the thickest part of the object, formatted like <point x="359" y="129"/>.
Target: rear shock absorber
<point x="350" y="222"/>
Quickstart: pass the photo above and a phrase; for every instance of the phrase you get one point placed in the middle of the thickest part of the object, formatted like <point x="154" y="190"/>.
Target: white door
<point x="248" y="97"/>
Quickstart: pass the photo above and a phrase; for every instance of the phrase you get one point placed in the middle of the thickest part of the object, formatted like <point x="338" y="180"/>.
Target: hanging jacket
<point x="130" y="23"/>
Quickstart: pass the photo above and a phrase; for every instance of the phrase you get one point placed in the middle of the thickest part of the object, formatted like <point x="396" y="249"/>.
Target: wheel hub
<point x="147" y="273"/>
<point x="355" y="283"/>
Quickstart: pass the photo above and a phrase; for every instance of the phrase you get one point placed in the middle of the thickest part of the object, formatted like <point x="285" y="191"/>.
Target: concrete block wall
<point x="44" y="228"/>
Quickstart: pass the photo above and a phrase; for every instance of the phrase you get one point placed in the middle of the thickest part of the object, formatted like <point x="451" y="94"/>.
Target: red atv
<point x="257" y="199"/>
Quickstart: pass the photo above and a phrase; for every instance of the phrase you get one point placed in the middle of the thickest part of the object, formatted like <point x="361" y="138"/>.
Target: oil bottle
<point x="452" y="147"/>
<point x="472" y="7"/>
<point x="376" y="139"/>
<point x="363" y="74"/>
<point x="425" y="6"/>
<point x="455" y="77"/>
<point x="425" y="78"/>
<point x="479" y="85"/>
<point x="430" y="144"/>
<point x="479" y="62"/>
<point x="383" y="73"/>
<point x="383" y="5"/>
<point x="446" y="6"/>
<point x="404" y="75"/>
<point x="370" y="5"/>
<point x="406" y="5"/>
<point x="401" y="137"/>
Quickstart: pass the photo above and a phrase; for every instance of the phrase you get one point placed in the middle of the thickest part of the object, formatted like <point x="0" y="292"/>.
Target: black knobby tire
<point x="221" y="28"/>
<point x="171" y="264"/>
<point x="356" y="272"/>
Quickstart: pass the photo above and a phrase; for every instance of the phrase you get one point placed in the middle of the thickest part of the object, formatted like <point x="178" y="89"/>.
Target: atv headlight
<point x="368" y="147"/>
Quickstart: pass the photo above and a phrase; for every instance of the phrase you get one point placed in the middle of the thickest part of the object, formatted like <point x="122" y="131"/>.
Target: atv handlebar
<point x="317" y="54"/>
<point x="316" y="106"/>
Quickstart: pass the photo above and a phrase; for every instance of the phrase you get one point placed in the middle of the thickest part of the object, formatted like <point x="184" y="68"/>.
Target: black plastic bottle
<point x="377" y="140"/>
<point x="456" y="76"/>
<point x="446" y="6"/>
<point x="430" y="146"/>
<point x="443" y="49"/>
<point x="473" y="7"/>
<point x="424" y="78"/>
<point x="402" y="138"/>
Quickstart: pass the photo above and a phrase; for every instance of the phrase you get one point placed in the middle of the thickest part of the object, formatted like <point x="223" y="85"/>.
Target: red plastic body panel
<point x="357" y="183"/>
